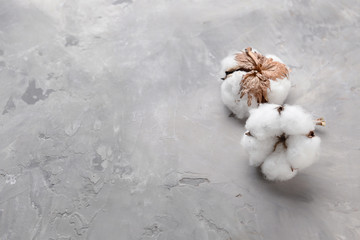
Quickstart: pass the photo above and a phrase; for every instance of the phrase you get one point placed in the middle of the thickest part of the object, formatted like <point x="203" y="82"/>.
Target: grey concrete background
<point x="112" y="125"/>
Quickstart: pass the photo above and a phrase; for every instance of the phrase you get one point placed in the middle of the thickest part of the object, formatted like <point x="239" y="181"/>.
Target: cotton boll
<point x="277" y="168"/>
<point x="278" y="90"/>
<point x="264" y="122"/>
<point x="295" y="121"/>
<point x="302" y="151"/>
<point x="231" y="98"/>
<point x="257" y="150"/>
<point x="284" y="137"/>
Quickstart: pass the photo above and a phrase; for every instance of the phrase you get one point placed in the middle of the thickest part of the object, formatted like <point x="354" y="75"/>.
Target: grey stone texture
<point x="112" y="125"/>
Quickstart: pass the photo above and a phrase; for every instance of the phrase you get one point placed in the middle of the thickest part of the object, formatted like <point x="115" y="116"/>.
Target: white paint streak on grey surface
<point x="112" y="125"/>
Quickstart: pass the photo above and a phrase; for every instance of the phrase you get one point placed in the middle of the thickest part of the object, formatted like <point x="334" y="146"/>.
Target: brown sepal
<point x="311" y="134"/>
<point x="248" y="134"/>
<point x="280" y="109"/>
<point x="281" y="140"/>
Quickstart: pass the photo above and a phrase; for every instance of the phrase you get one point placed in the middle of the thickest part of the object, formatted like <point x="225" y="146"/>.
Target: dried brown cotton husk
<point x="259" y="71"/>
<point x="252" y="78"/>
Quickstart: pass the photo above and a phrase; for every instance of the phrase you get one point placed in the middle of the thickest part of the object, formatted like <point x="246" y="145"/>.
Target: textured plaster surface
<point x="112" y="125"/>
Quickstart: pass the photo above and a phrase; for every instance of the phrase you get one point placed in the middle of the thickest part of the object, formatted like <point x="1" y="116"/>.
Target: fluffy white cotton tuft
<point x="278" y="91"/>
<point x="295" y="121"/>
<point x="302" y="151"/>
<point x="228" y="63"/>
<point x="257" y="150"/>
<point x="230" y="96"/>
<point x="277" y="168"/>
<point x="264" y="121"/>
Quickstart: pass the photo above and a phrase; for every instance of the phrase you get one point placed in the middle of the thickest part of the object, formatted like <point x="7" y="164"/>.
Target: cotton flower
<point x="281" y="140"/>
<point x="250" y="79"/>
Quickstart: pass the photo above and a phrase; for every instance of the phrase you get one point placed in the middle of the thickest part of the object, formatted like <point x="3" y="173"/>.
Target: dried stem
<point x="320" y="122"/>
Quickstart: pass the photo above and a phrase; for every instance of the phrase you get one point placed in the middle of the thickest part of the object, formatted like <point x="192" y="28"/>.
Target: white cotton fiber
<point x="295" y="121"/>
<point x="230" y="96"/>
<point x="228" y="63"/>
<point x="257" y="150"/>
<point x="278" y="90"/>
<point x="264" y="121"/>
<point x="302" y="151"/>
<point x="276" y="167"/>
<point x="280" y="140"/>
